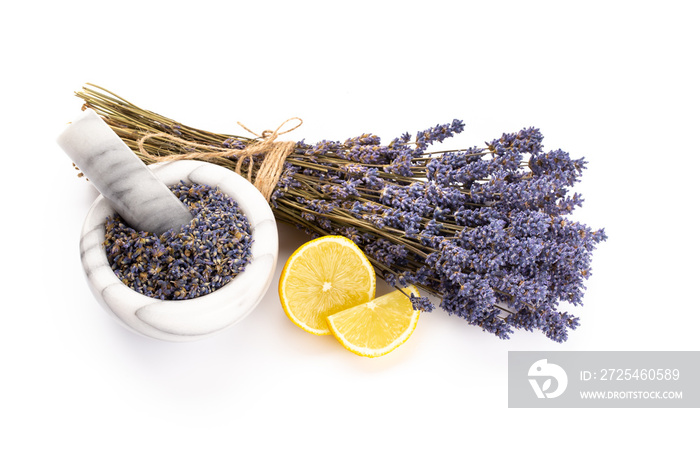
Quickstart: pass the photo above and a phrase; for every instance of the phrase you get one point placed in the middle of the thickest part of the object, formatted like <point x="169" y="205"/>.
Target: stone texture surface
<point x="190" y="319"/>
<point x="143" y="201"/>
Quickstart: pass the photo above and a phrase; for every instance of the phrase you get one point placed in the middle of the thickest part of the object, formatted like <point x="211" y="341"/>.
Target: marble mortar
<point x="196" y="318"/>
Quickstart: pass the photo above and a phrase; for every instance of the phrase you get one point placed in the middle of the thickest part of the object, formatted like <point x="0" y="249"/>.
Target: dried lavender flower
<point x="189" y="262"/>
<point x="484" y="228"/>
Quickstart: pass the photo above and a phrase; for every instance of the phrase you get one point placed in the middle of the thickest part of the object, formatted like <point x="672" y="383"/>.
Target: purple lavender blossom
<point x="485" y="229"/>
<point x="192" y="261"/>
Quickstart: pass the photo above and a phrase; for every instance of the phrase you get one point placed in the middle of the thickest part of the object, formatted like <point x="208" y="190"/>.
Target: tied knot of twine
<point x="274" y="154"/>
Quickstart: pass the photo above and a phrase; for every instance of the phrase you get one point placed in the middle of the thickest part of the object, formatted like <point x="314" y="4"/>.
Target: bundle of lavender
<point x="484" y="229"/>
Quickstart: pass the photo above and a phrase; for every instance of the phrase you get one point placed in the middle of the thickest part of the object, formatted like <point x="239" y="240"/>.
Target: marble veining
<point x="143" y="201"/>
<point x="190" y="319"/>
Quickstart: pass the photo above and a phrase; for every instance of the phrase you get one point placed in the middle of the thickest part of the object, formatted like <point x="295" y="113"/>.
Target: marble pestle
<point x="142" y="200"/>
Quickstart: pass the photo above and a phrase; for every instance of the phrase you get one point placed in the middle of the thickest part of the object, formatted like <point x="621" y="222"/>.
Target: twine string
<point x="274" y="154"/>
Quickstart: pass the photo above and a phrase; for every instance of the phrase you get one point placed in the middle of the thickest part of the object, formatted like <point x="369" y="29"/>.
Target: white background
<point x="615" y="82"/>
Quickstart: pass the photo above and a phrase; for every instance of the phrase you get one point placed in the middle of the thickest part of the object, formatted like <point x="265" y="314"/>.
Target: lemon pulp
<point x="377" y="327"/>
<point x="322" y="277"/>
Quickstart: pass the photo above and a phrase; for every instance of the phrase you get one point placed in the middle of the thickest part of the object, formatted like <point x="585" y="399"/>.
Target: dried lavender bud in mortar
<point x="192" y="261"/>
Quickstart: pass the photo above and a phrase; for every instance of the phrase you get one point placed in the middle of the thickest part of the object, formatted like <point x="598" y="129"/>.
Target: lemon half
<point x="322" y="277"/>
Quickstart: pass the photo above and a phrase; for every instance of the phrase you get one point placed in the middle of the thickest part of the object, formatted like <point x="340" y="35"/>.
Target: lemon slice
<point x="377" y="327"/>
<point x="322" y="277"/>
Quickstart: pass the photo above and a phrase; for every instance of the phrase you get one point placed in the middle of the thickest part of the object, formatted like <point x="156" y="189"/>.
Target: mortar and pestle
<point x="140" y="195"/>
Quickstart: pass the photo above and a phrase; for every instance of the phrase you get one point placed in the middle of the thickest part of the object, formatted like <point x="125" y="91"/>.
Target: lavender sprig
<point x="485" y="229"/>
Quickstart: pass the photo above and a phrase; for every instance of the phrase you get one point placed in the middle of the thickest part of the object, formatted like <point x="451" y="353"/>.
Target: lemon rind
<point x="298" y="253"/>
<point x="373" y="353"/>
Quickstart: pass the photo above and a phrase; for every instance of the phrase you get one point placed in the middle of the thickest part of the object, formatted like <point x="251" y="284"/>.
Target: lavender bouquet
<point x="484" y="229"/>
